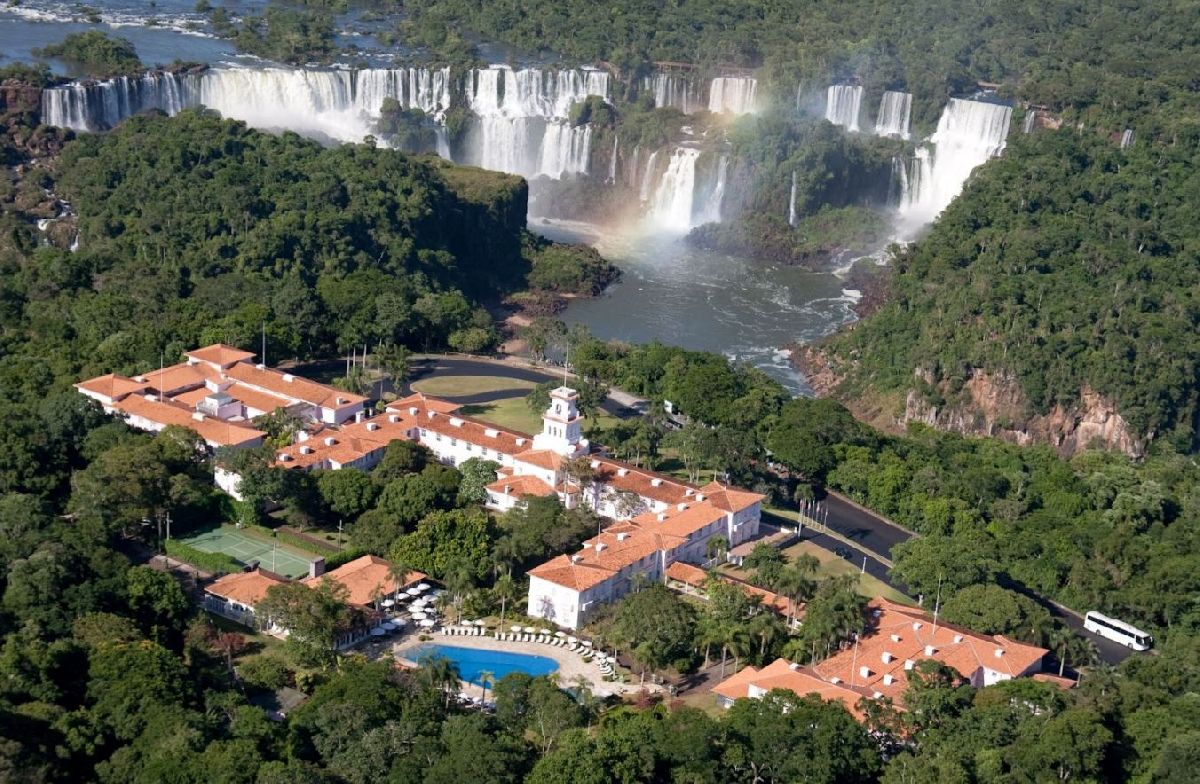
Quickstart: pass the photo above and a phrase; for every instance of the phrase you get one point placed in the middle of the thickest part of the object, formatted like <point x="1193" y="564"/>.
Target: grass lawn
<point x="455" y="386"/>
<point x="247" y="544"/>
<point x="515" y="414"/>
<point x="833" y="566"/>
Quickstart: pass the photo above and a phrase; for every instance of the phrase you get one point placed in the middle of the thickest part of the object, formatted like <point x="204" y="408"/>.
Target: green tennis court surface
<point x="241" y="545"/>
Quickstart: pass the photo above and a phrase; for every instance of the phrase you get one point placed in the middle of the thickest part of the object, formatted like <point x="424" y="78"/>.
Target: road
<point x="875" y="535"/>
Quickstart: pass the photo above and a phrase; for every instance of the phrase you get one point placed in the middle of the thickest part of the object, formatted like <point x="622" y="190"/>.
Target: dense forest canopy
<point x="1069" y="263"/>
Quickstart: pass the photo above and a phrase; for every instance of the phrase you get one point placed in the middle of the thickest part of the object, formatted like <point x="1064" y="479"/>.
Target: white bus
<point x="1118" y="631"/>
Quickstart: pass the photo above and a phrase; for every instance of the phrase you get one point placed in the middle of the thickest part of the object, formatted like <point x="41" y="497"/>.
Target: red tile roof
<point x="220" y="354"/>
<point x="782" y="674"/>
<point x="578" y="576"/>
<point x="245" y="588"/>
<point x="901" y="634"/>
<point x="111" y="386"/>
<point x="214" y="431"/>
<point x="297" y="388"/>
<point x="366" y="579"/>
<point x="521" y="486"/>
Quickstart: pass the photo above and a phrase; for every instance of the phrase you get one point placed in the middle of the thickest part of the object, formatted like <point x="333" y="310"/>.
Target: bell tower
<point x="562" y="424"/>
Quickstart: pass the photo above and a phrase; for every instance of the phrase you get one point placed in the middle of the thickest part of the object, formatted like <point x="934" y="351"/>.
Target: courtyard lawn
<point x="515" y="414"/>
<point x="245" y="546"/>
<point x="460" y="386"/>
<point x="833" y="566"/>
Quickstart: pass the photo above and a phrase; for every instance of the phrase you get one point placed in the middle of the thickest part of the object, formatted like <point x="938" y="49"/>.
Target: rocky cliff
<point x="986" y="404"/>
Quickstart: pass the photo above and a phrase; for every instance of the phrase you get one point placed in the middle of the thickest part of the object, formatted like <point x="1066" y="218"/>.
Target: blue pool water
<point x="472" y="661"/>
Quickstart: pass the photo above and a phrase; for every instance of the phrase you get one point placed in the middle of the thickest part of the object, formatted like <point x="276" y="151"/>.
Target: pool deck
<point x="570" y="665"/>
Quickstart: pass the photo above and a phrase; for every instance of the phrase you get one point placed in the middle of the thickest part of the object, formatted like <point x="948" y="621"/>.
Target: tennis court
<point x="277" y="557"/>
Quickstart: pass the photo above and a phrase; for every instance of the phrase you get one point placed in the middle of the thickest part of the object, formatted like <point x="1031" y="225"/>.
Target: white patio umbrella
<point x="422" y="586"/>
<point x="572" y="640"/>
<point x="426" y="623"/>
<point x="530" y="630"/>
<point x="560" y="634"/>
<point x="412" y="591"/>
<point x="481" y="622"/>
<point x="515" y="629"/>
<point x="388" y="602"/>
<point x="419" y="616"/>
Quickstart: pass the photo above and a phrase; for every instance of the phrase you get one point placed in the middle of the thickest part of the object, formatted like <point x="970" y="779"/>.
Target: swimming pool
<point x="472" y="661"/>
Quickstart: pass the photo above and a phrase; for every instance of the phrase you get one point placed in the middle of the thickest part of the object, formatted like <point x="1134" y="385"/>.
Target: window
<point x="453" y="442"/>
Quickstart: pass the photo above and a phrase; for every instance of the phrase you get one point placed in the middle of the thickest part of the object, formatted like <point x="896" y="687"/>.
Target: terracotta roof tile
<point x="245" y="588"/>
<point x="366" y="578"/>
<point x="576" y="576"/>
<point x="111" y="386"/>
<point x="521" y="486"/>
<point x="278" y="383"/>
<point x="214" y="431"/>
<point x="220" y="354"/>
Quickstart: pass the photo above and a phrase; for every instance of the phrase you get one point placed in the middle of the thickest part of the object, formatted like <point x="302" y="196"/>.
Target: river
<point x="670" y="292"/>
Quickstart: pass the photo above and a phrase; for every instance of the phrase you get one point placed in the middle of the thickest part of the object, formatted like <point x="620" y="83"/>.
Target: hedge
<point x="218" y="563"/>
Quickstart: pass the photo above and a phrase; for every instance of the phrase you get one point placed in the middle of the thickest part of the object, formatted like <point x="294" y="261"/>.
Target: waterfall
<point x="842" y="105"/>
<point x="968" y="133"/>
<point x="735" y="95"/>
<point x="648" y="178"/>
<point x="710" y="210"/>
<point x="895" y="109"/>
<point x="522" y="120"/>
<point x="674" y="91"/>
<point x="612" y="163"/>
<point x="1126" y="138"/>
<point x="792" y="203"/>
<point x="672" y="204"/>
<point x="1030" y="121"/>
<point x="335" y="104"/>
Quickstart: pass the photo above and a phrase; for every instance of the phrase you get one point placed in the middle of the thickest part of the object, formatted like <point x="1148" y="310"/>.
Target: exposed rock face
<point x="995" y="405"/>
<point x="988" y="404"/>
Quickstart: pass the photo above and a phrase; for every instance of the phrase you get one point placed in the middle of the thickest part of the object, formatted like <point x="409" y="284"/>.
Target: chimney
<point x="689" y="492"/>
<point x="520" y="442"/>
<point x="930" y="650"/>
<point x="621" y="537"/>
<point x="372" y="426"/>
<point x="656" y="482"/>
<point x="507" y="489"/>
<point x="316" y="567"/>
<point x="835" y="680"/>
<point x="887" y="657"/>
<point x="306" y="450"/>
<point x="330" y="441"/>
<point x="260" y="366"/>
<point x="288" y="377"/>
<point x="595" y="464"/>
<point x="576" y="559"/>
<point x="394" y="418"/>
<point x="490" y="433"/>
<point x="413" y="410"/>
<point x="622" y="471"/>
<point x="909" y="664"/>
<point x="681" y="506"/>
<point x="456" y="422"/>
<point x="662" y="516"/>
<point x="196" y="415"/>
<point x="999" y="652"/>
<point x="794" y="666"/>
<point x="888" y="680"/>
<point x="601" y="547"/>
<point x="864" y="671"/>
<point x="285" y="458"/>
<point x="958" y="638"/>
<point x="700" y="496"/>
<point x="895" y="638"/>
<point x="878" y="695"/>
<point x="916" y="626"/>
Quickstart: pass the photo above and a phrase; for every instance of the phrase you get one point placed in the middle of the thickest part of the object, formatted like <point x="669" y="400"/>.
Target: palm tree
<point x="398" y="572"/>
<point x="579" y="469"/>
<point x="441" y="674"/>
<point x="767" y="627"/>
<point x="1068" y="645"/>
<point x="505" y="590"/>
<point x="486" y="679"/>
<point x="738" y="643"/>
<point x="709" y="634"/>
<point x="716" y="547"/>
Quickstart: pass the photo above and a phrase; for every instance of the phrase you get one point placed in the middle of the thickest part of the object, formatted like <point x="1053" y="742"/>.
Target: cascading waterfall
<point x="337" y="104"/>
<point x="612" y="163"/>
<point x="672" y="204"/>
<point x="968" y="133"/>
<point x="792" y="202"/>
<point x="678" y="92"/>
<point x="733" y="95"/>
<point x="895" y="110"/>
<point x="842" y="105"/>
<point x="648" y="178"/>
<point x="710" y="208"/>
<point x="1126" y="138"/>
<point x="522" y="120"/>
<point x="1030" y="121"/>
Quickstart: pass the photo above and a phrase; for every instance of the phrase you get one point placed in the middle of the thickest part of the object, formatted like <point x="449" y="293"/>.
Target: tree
<point x="158" y="604"/>
<point x="477" y="474"/>
<point x="928" y="562"/>
<point x="348" y="492"/>
<point x="393" y="360"/>
<point x="505" y="590"/>
<point x="314" y="616"/>
<point x="805" y="433"/>
<point x="402" y="458"/>
<point x="441" y="674"/>
<point x="550" y="712"/>
<point x="461" y="537"/>
<point x="935" y="695"/>
<point x="767" y="563"/>
<point x="991" y="609"/>
<point x="656" y="624"/>
<point x="834" y="614"/>
<point x="129" y="682"/>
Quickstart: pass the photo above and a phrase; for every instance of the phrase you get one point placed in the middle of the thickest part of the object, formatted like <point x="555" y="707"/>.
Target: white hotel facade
<point x="657" y="520"/>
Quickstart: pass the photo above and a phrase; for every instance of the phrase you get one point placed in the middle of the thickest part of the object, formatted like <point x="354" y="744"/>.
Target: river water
<point x="743" y="309"/>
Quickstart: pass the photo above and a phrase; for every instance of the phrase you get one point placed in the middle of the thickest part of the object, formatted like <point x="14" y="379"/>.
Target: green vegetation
<point x="457" y="386"/>
<point x="1066" y="264"/>
<point x="97" y="54"/>
<point x="813" y="241"/>
<point x="216" y="563"/>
